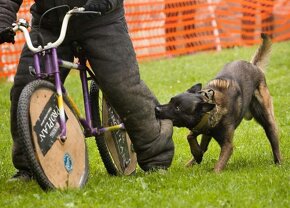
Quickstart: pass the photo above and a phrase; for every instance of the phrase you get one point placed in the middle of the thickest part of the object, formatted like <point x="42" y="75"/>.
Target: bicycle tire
<point x="55" y="165"/>
<point x="106" y="143"/>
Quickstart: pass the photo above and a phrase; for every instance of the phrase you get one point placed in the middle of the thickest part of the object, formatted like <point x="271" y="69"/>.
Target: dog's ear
<point x="206" y="107"/>
<point x="195" y="88"/>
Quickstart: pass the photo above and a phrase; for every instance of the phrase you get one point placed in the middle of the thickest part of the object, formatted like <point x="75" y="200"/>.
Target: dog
<point x="238" y="91"/>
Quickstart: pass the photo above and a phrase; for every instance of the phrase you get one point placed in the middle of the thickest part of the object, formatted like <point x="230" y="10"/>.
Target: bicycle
<point x="51" y="124"/>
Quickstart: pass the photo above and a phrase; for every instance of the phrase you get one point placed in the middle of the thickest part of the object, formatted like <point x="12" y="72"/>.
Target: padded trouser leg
<point x="113" y="59"/>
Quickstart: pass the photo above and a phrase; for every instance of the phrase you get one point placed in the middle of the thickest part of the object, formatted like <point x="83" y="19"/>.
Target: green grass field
<point x="250" y="179"/>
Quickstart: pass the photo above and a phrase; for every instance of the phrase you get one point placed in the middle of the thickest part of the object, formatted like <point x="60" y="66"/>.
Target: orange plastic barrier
<point x="166" y="28"/>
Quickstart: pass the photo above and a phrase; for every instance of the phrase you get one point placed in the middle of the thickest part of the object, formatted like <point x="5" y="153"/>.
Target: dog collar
<point x="202" y="125"/>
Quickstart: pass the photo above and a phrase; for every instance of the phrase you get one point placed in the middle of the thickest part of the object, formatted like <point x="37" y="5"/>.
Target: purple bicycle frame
<point x="52" y="64"/>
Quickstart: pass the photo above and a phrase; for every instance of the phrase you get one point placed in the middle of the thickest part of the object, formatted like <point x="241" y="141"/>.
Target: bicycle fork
<point x="52" y="67"/>
<point x="60" y="102"/>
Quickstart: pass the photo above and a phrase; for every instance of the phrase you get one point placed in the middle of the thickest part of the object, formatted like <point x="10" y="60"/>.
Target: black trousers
<point x="111" y="55"/>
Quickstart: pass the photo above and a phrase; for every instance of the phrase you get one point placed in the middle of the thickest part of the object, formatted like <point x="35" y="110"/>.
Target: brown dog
<point x="238" y="91"/>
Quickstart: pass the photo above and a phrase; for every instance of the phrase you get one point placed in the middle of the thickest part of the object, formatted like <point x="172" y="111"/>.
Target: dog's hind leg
<point x="225" y="142"/>
<point x="262" y="109"/>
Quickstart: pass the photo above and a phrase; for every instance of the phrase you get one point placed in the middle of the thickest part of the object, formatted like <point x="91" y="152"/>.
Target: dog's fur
<point x="238" y="91"/>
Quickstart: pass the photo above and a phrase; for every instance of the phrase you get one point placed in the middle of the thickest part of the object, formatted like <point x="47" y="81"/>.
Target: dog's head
<point x="185" y="109"/>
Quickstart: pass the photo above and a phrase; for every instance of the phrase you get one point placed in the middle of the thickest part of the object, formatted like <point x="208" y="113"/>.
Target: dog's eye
<point x="177" y="108"/>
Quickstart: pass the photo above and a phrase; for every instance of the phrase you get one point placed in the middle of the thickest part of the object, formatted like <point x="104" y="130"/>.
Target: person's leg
<point x="112" y="57"/>
<point x="22" y="78"/>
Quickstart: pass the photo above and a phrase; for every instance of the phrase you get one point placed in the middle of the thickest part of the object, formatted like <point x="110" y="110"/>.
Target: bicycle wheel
<point x="54" y="164"/>
<point x="115" y="148"/>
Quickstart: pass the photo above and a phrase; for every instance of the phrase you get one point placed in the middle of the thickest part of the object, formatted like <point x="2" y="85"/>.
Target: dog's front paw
<point x="217" y="170"/>
<point x="190" y="163"/>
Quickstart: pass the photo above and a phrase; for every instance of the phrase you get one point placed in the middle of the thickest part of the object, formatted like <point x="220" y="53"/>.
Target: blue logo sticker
<point x="68" y="164"/>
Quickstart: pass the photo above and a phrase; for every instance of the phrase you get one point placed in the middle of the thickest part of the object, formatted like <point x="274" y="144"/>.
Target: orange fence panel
<point x="166" y="28"/>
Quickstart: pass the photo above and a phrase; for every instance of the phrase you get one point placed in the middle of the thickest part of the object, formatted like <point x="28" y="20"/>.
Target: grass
<point x="249" y="180"/>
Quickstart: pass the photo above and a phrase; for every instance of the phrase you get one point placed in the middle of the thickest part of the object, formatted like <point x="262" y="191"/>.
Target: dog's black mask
<point x="185" y="109"/>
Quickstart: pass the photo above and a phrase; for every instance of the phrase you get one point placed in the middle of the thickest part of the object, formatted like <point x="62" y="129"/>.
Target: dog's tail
<point x="260" y="58"/>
